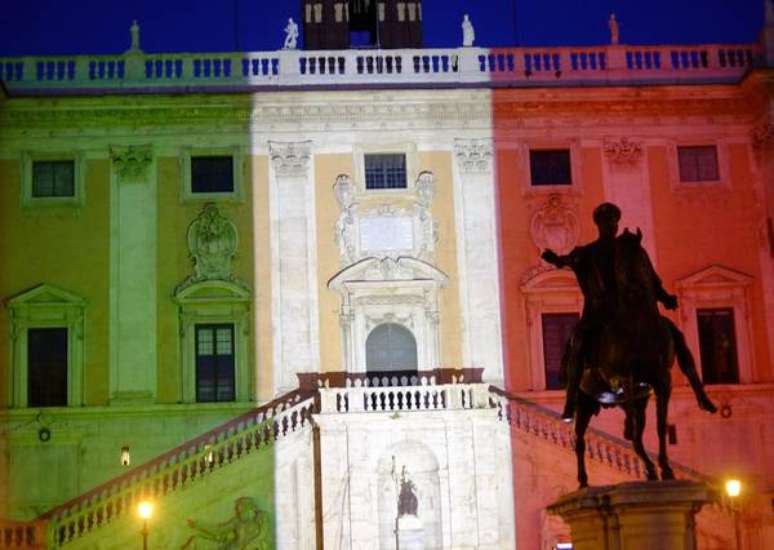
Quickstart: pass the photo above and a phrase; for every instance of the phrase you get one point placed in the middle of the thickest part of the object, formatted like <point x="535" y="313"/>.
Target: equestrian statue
<point x="622" y="348"/>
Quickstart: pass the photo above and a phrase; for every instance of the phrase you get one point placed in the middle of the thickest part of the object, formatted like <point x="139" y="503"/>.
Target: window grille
<point x="53" y="178"/>
<point x="699" y="163"/>
<point x="557" y="329"/>
<point x="717" y="346"/>
<point x="215" y="362"/>
<point x="385" y="171"/>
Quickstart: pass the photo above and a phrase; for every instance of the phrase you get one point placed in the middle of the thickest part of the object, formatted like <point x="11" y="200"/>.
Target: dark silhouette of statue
<point x="407" y="499"/>
<point x="594" y="267"/>
<point x="622" y="346"/>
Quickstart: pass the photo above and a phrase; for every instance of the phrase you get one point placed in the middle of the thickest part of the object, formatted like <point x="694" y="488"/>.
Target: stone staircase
<point x="197" y="459"/>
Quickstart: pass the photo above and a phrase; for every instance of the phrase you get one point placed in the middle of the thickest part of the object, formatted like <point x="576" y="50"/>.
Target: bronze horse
<point x="631" y="355"/>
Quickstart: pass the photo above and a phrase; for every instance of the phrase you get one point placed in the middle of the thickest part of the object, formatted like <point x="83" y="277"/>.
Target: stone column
<point x="295" y="318"/>
<point x="475" y="218"/>
<point x="133" y="234"/>
<point x="636" y="515"/>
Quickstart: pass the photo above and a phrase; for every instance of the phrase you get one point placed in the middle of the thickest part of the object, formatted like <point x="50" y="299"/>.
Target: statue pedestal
<point x="411" y="534"/>
<point x="637" y="515"/>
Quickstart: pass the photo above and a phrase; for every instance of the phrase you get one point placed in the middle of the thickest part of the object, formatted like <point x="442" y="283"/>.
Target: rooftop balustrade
<point x="138" y="72"/>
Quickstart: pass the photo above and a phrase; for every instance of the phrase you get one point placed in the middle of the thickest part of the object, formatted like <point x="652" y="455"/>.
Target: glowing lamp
<point x="126" y="458"/>
<point x="145" y="509"/>
<point x="733" y="488"/>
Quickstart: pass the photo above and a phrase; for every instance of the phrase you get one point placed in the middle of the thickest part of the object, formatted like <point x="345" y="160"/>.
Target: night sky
<point x="36" y="27"/>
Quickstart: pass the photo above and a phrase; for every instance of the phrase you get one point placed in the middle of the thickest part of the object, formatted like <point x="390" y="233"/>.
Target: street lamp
<point x="733" y="490"/>
<point x="145" y="511"/>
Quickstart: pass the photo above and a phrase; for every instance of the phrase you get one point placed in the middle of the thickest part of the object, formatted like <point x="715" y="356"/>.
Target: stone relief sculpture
<point x="385" y="230"/>
<point x="468" y="32"/>
<point x="624" y="151"/>
<point x="249" y="529"/>
<point x="555" y="223"/>
<point x="291" y="35"/>
<point x="131" y="162"/>
<point x="212" y="244"/>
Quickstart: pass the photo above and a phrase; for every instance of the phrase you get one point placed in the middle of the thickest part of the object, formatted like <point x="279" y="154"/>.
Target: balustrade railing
<point x="437" y="67"/>
<point x="29" y="535"/>
<point x="180" y="467"/>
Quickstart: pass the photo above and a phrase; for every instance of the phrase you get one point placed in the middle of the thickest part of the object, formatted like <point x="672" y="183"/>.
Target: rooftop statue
<point x="134" y="33"/>
<point x="468" y="32"/>
<point x="612" y="24"/>
<point x="622" y="347"/>
<point x="291" y="35"/>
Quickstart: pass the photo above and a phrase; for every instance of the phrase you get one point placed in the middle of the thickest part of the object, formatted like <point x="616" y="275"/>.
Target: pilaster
<point x="133" y="234"/>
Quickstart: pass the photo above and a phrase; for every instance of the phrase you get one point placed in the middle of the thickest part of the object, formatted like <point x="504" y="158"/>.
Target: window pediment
<point x="387" y="269"/>
<point x="715" y="276"/>
<point x="45" y="295"/>
<point x="212" y="291"/>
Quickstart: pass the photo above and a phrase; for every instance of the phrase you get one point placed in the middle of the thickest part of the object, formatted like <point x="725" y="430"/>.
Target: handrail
<point x="180" y="466"/>
<point x="610" y="450"/>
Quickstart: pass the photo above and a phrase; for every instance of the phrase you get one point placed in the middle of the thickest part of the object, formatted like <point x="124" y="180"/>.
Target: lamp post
<point x="145" y="511"/>
<point x="733" y="490"/>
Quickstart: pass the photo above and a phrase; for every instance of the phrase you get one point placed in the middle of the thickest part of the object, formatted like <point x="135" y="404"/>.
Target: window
<point x="717" y="346"/>
<point x="385" y="171"/>
<point x="53" y="178"/>
<point x="47" y="367"/>
<point x="47" y="348"/>
<point x="698" y="163"/>
<point x="550" y="167"/>
<point x="215" y="362"/>
<point x="557" y="329"/>
<point x="391" y="347"/>
<point x="212" y="174"/>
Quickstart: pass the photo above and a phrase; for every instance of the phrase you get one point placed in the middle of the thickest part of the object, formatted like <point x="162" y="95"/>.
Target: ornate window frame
<point x="402" y="148"/>
<point x="46" y="306"/>
<point x="718" y="287"/>
<point x="79" y="179"/>
<point x="673" y="165"/>
<point x="404" y="291"/>
<point x="237" y="159"/>
<point x="550" y="291"/>
<point x="576" y="172"/>
<point x="211" y="302"/>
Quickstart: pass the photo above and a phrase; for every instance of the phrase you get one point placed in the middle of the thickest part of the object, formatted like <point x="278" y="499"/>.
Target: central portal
<point x="391" y="347"/>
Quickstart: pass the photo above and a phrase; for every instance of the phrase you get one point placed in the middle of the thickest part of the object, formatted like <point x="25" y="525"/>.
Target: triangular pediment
<point x="403" y="268"/>
<point x="715" y="276"/>
<point x="212" y="291"/>
<point x="45" y="295"/>
<point x="551" y="280"/>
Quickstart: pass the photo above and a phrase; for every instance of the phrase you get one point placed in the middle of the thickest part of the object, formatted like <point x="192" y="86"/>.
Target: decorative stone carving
<point x="612" y="24"/>
<point x="249" y="528"/>
<point x="131" y="163"/>
<point x="212" y="243"/>
<point x="425" y="189"/>
<point x="385" y="231"/>
<point x="291" y="35"/>
<point x="134" y="33"/>
<point x="291" y="158"/>
<point x="473" y="155"/>
<point x="623" y="151"/>
<point x="468" y="32"/>
<point x="554" y="225"/>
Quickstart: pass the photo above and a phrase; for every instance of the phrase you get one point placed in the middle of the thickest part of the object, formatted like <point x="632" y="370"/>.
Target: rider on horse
<point x="594" y="267"/>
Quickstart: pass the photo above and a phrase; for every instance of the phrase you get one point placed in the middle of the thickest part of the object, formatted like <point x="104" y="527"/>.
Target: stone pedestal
<point x="638" y="515"/>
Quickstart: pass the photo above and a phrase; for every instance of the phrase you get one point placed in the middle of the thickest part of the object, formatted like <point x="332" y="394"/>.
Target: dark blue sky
<point x="98" y="26"/>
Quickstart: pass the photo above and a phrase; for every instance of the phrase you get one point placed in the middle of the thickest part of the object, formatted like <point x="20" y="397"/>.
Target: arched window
<point x="391" y="347"/>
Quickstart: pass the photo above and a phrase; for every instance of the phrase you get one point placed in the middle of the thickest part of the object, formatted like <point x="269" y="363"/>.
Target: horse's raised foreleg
<point x="583" y="413"/>
<point x="662" y="407"/>
<point x="637" y="410"/>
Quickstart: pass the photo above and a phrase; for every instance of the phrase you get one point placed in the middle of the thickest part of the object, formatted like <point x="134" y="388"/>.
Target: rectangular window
<point x="557" y="329"/>
<point x="550" y="167"/>
<point x="212" y="174"/>
<point x="717" y="344"/>
<point x="47" y="367"/>
<point x="215" y="363"/>
<point x="53" y="178"/>
<point x="698" y="163"/>
<point x="385" y="171"/>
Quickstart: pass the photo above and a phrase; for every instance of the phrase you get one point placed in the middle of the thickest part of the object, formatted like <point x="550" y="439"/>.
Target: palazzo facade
<point x="295" y="298"/>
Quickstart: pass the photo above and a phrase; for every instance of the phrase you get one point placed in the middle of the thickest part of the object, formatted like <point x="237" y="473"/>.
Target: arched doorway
<point x="391" y="347"/>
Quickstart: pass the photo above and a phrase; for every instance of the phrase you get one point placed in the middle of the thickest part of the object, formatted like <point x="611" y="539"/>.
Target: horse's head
<point x="634" y="279"/>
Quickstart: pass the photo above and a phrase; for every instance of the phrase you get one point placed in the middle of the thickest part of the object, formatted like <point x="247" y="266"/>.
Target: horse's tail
<point x="687" y="366"/>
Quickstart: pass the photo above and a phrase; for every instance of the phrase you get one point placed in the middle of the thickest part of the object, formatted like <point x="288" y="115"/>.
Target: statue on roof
<point x="291" y="35"/>
<point x="612" y="24"/>
<point x="134" y="33"/>
<point x="468" y="32"/>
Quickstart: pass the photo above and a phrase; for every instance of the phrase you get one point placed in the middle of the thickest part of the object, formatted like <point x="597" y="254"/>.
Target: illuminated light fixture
<point x="563" y="546"/>
<point x="145" y="509"/>
<point x="733" y="488"/>
<point x="209" y="455"/>
<point x="126" y="458"/>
